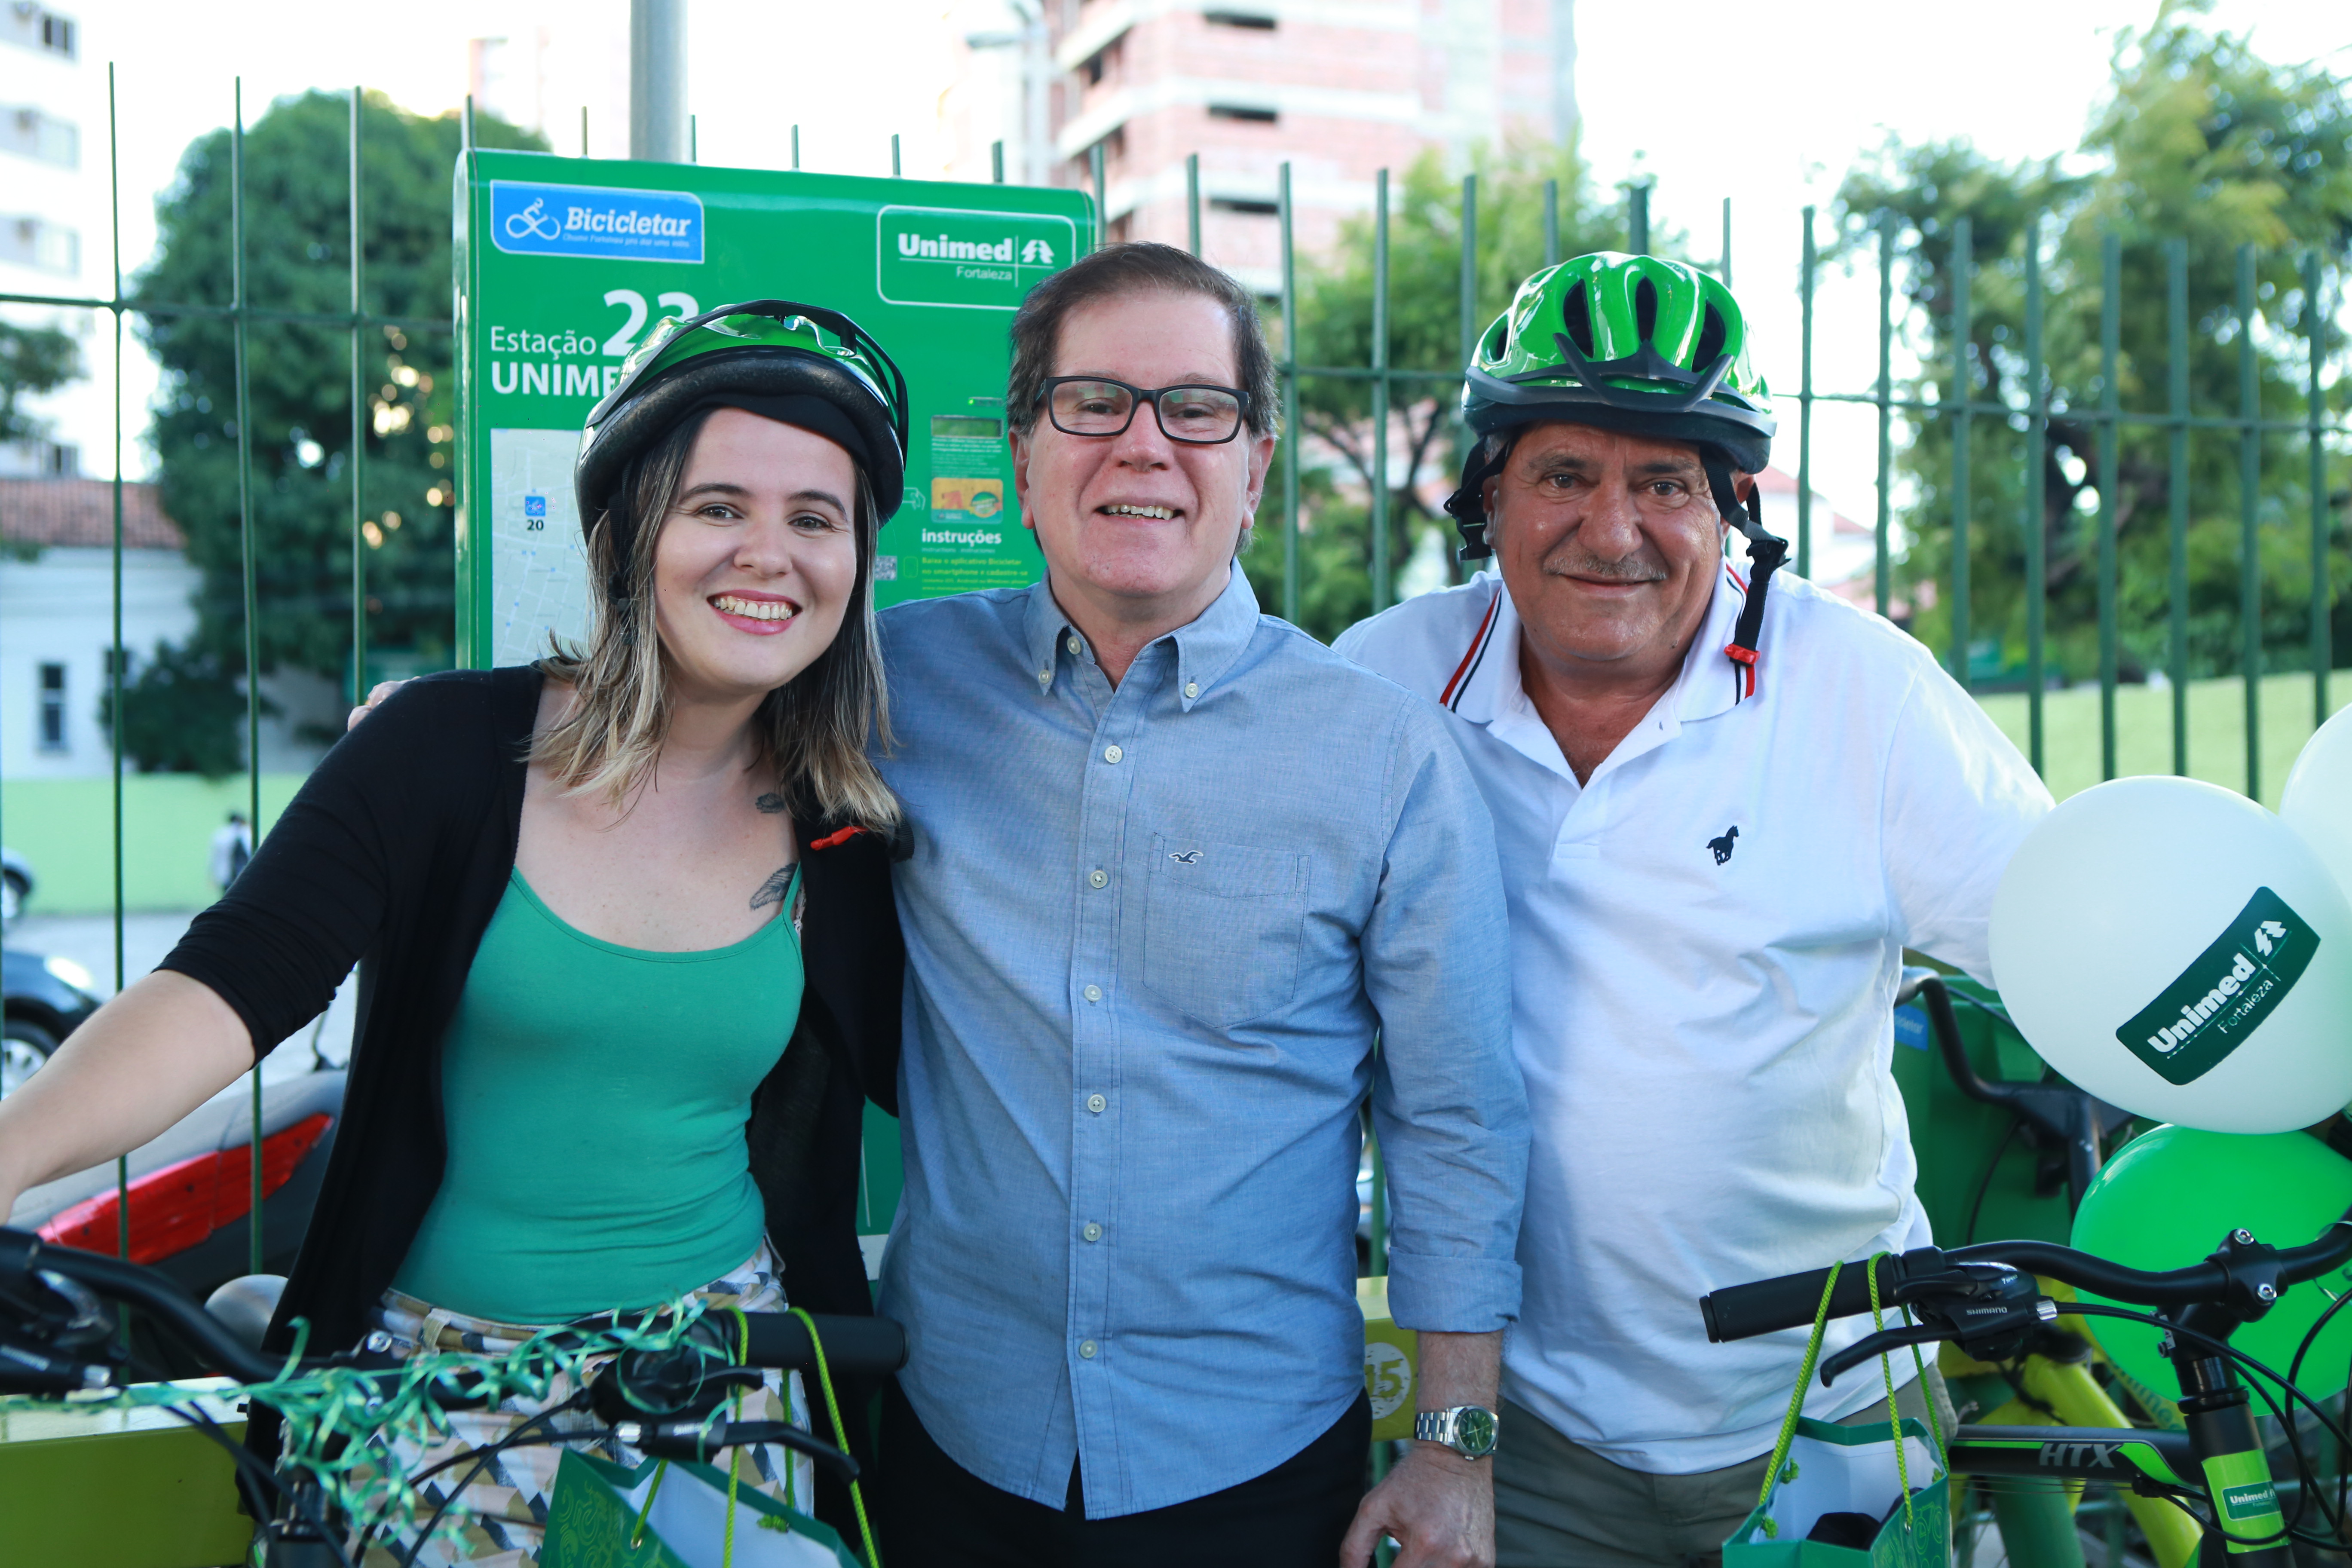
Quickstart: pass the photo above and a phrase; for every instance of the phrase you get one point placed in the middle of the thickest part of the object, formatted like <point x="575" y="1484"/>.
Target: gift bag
<point x="1831" y="1470"/>
<point x="1849" y="1497"/>
<point x="594" y="1520"/>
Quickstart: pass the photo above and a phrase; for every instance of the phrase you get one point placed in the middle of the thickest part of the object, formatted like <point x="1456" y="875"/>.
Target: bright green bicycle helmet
<point x="801" y="364"/>
<point x="1635" y="343"/>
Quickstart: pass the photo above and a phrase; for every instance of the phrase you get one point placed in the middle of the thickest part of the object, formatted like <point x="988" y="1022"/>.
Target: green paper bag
<point x="593" y="1512"/>
<point x="1832" y="1468"/>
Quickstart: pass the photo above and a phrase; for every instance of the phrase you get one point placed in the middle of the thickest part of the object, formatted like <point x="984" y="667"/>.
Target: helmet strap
<point x="1467" y="504"/>
<point x="1765" y="553"/>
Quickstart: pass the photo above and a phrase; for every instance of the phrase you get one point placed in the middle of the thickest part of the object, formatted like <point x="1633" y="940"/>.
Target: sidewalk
<point x="88" y="941"/>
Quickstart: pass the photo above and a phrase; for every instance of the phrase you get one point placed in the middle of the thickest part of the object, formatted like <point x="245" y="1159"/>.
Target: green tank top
<point x="595" y="1098"/>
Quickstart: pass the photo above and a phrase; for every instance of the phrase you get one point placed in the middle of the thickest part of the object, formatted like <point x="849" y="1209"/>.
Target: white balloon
<point x="2145" y="939"/>
<point x="2318" y="799"/>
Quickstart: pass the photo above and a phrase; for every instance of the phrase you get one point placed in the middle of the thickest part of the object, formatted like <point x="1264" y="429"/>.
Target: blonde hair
<point x="812" y="733"/>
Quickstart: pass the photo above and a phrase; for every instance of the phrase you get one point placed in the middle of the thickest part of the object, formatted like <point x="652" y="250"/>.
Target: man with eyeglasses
<point x="1176" y="868"/>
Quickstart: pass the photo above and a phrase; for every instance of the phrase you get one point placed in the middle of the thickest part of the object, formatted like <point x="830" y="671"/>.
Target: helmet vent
<point x="1645" y="309"/>
<point x="1577" y="311"/>
<point x="1712" y="334"/>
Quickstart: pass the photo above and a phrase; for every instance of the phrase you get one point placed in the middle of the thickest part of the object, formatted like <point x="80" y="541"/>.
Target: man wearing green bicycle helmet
<point x="1724" y="812"/>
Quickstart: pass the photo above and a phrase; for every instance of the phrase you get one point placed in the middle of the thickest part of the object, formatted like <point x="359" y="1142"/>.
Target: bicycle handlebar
<point x="1792" y="1300"/>
<point x="852" y="1344"/>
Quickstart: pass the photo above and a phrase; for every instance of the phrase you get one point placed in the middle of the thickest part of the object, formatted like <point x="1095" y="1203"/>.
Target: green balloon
<point x="2169" y="1197"/>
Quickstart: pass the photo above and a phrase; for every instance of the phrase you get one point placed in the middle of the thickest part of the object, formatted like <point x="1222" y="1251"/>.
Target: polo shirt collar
<point x="1490" y="692"/>
<point x="1206" y="646"/>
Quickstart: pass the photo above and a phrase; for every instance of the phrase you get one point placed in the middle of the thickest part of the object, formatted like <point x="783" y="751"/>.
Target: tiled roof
<point x="81" y="512"/>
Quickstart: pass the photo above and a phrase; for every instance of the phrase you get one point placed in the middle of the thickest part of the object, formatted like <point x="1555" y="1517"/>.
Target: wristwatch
<point x="1470" y="1430"/>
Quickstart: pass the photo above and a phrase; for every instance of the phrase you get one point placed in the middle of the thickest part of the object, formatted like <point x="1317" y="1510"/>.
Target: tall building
<point x="1338" y="89"/>
<point x="53" y="235"/>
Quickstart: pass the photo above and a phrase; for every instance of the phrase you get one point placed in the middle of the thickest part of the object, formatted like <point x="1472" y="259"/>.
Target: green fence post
<point x="116" y="661"/>
<point x="2249" y="558"/>
<point x="895" y="173"/>
<point x="2111" y="316"/>
<point x="2035" y="520"/>
<point x="1726" y="242"/>
<point x="2176" y="313"/>
<point x="1469" y="345"/>
<point x="1102" y="214"/>
<point x="1193" y="203"/>
<point x="1963" y="267"/>
<point x="583" y="139"/>
<point x="1551" y="223"/>
<point x="996" y="163"/>
<point x="1289" y="411"/>
<point x="2322" y="655"/>
<point x="1381" y="392"/>
<point x="1882" y="570"/>
<point x="1637" y="217"/>
<point x="245" y="545"/>
<point x="359" y="430"/>
<point x="1805" y="407"/>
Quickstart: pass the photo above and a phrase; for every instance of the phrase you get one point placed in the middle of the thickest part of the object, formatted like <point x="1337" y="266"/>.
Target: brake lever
<point x="1869" y="1347"/>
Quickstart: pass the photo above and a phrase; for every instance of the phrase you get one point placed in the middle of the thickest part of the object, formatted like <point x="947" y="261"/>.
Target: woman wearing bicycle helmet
<point x="632" y="964"/>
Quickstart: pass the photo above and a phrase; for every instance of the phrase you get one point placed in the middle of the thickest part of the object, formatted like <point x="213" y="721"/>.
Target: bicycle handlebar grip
<point x="863" y="1345"/>
<point x="1793" y="1300"/>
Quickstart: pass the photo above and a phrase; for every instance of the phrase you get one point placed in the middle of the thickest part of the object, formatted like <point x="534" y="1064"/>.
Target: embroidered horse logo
<point x="1722" y="846"/>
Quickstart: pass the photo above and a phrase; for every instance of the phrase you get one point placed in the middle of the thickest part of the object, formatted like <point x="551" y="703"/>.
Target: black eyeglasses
<point x="1197" y="414"/>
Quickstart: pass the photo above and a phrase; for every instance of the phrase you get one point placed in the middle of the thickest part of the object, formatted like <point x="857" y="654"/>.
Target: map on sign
<point x="537" y="564"/>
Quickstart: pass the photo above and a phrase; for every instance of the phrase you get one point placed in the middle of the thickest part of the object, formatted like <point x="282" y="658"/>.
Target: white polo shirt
<point x="1706" y="941"/>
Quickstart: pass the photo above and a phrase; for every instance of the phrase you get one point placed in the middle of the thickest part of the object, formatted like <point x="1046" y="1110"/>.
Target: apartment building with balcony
<point x="48" y="201"/>
<point x="1338" y="89"/>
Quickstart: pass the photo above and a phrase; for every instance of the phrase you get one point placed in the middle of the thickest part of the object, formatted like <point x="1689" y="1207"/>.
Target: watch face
<point x="1474" y="1430"/>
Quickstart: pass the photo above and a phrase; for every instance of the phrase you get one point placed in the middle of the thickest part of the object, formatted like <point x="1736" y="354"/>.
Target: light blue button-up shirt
<point x="1152" y="932"/>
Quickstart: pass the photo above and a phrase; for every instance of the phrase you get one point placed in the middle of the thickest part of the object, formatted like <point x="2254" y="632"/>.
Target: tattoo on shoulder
<point x="773" y="805"/>
<point x="773" y="890"/>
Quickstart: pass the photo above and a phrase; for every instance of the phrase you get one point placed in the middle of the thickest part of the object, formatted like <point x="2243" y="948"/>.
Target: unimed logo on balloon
<point x="2224" y="996"/>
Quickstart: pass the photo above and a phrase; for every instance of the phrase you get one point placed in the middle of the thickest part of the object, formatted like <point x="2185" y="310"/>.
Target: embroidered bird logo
<point x="1722" y="846"/>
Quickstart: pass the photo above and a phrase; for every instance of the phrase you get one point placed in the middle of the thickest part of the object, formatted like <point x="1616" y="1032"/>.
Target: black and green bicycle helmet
<point x="1635" y="343"/>
<point x="801" y="364"/>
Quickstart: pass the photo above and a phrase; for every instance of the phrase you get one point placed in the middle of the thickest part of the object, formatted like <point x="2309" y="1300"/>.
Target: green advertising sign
<point x="564" y="264"/>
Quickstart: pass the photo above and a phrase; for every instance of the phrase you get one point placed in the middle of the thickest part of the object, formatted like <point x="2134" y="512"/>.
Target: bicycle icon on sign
<point x="533" y="222"/>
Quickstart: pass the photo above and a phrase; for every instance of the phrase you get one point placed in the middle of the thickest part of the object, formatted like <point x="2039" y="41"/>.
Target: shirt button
<point x="1044" y="678"/>
<point x="1112" y="753"/>
<point x="1094" y="992"/>
<point x="1085" y="1349"/>
<point x="1074" y="645"/>
<point x="1093" y="1231"/>
<point x="1191" y="689"/>
<point x="1096" y="878"/>
<point x="1096" y="1102"/>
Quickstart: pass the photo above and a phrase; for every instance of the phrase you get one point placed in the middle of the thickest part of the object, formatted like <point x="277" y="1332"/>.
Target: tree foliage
<point x="1424" y="322"/>
<point x="33" y="360"/>
<point x="2198" y="141"/>
<point x="297" y="259"/>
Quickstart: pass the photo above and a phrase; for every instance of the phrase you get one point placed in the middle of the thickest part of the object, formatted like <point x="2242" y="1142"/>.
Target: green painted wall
<point x="65" y="829"/>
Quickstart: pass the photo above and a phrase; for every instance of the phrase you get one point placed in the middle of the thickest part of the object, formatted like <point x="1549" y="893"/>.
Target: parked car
<point x="15" y="885"/>
<point x="42" y="1000"/>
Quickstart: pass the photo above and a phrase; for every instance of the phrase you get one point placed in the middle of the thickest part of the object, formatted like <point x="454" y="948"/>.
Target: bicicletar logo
<point x="983" y="260"/>
<point x="2225" y="995"/>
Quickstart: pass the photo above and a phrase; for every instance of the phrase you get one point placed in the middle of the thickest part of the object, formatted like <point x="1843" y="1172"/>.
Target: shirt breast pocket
<point x="1221" y="929"/>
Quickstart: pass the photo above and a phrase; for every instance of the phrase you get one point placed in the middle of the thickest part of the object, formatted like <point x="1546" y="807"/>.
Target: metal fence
<point x="1388" y="382"/>
<point x="242" y="313"/>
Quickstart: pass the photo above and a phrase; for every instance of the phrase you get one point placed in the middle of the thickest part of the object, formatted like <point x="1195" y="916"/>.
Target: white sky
<point x="1767" y="103"/>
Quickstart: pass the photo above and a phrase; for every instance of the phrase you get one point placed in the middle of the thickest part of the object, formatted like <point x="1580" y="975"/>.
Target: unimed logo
<point x="986" y="260"/>
<point x="2224" y="995"/>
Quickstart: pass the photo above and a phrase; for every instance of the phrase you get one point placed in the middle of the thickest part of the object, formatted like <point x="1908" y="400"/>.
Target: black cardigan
<point x="395" y="854"/>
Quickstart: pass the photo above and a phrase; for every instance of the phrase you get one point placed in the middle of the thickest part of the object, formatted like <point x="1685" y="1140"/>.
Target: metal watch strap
<point x="1448" y="1427"/>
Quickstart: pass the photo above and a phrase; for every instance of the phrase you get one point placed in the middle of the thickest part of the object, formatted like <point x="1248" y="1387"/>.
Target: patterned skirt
<point x="508" y="1494"/>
